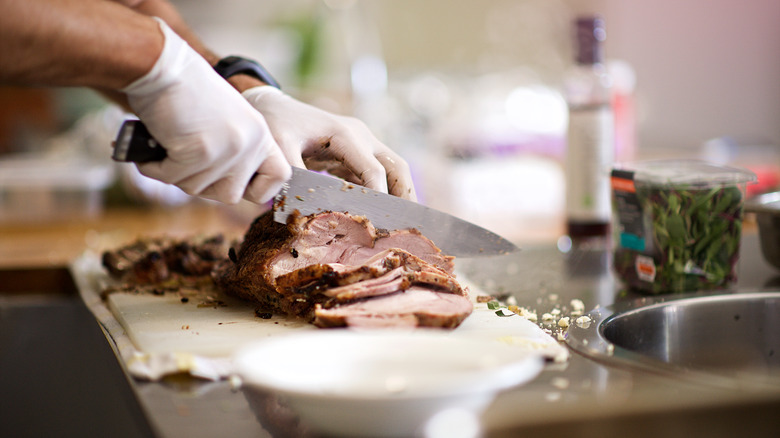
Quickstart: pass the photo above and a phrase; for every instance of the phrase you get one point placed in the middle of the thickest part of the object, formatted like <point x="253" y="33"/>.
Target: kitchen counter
<point x="56" y="243"/>
<point x="580" y="397"/>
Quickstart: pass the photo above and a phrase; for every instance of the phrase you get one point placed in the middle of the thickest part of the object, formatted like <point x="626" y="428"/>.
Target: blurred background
<point x="469" y="92"/>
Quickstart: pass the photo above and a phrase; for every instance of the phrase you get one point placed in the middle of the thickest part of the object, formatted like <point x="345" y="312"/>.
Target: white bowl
<point x="380" y="383"/>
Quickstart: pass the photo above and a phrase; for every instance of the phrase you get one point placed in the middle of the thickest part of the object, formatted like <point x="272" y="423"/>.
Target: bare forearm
<point x="95" y="43"/>
<point x="165" y="10"/>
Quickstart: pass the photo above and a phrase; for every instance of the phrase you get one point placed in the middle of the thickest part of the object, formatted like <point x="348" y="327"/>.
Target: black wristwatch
<point x="231" y="65"/>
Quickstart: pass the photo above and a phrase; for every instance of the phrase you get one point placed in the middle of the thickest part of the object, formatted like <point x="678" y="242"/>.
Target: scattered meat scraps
<point x="156" y="260"/>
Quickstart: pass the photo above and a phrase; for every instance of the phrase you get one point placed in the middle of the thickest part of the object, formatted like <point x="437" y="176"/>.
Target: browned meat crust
<point x="331" y="261"/>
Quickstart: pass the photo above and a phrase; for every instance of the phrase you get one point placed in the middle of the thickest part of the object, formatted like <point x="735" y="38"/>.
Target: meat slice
<point x="329" y="260"/>
<point x="415" y="243"/>
<point x="323" y="238"/>
<point x="337" y="274"/>
<point x="392" y="282"/>
<point x="334" y="280"/>
<point x="412" y="241"/>
<point x="413" y="307"/>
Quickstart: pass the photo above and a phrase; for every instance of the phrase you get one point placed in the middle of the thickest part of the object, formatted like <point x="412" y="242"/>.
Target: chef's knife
<point x="311" y="192"/>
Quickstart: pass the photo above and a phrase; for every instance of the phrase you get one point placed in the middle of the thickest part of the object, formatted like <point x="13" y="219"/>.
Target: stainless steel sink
<point x="728" y="340"/>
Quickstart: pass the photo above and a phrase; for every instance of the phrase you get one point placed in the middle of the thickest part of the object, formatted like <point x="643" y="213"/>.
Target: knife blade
<point x="312" y="192"/>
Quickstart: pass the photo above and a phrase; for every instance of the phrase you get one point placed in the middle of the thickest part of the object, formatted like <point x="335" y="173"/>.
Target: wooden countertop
<point x="56" y="244"/>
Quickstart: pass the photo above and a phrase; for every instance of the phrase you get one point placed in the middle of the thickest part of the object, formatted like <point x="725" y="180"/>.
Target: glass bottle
<point x="590" y="135"/>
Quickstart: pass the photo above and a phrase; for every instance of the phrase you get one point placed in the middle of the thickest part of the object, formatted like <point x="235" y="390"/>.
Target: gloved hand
<point x="215" y="140"/>
<point x="342" y="145"/>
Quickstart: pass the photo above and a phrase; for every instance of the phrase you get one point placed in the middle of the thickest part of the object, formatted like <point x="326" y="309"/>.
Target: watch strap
<point x="232" y="65"/>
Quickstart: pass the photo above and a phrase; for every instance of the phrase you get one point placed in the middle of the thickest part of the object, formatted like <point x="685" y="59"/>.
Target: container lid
<point x="695" y="173"/>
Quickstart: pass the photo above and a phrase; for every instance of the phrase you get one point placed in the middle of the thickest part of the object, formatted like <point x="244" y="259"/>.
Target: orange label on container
<point x="645" y="268"/>
<point x="623" y="184"/>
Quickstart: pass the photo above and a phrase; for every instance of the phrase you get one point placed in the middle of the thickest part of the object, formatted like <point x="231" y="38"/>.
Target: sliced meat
<point x="270" y="250"/>
<point x="413" y="242"/>
<point x="336" y="274"/>
<point x="437" y="281"/>
<point x="393" y="281"/>
<point x="412" y="271"/>
<point x="307" y="282"/>
<point x="329" y="260"/>
<point x="413" y="307"/>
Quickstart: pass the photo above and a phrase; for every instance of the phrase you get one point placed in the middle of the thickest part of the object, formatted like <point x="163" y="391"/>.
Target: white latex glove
<point x="342" y="145"/>
<point x="215" y="140"/>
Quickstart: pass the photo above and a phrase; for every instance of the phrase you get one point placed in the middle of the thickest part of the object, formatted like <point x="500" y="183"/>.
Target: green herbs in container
<point x="677" y="224"/>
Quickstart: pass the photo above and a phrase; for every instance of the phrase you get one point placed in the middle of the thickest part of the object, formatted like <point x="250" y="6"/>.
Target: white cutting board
<point x="162" y="326"/>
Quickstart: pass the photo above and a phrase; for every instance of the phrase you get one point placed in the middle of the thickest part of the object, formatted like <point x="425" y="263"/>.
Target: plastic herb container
<point x="677" y="224"/>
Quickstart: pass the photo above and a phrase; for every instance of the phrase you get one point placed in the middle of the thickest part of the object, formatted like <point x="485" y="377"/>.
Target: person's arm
<point x="165" y="10"/>
<point x="219" y="147"/>
<point x="94" y="43"/>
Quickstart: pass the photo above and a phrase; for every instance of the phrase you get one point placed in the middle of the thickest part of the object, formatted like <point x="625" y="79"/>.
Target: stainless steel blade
<point x="310" y="192"/>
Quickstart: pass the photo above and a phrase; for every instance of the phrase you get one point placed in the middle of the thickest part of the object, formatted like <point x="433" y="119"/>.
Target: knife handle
<point x="135" y="144"/>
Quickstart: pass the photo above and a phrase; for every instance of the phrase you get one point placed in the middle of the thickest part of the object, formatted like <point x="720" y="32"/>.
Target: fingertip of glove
<point x="403" y="189"/>
<point x="375" y="181"/>
<point x="264" y="187"/>
<point x="261" y="190"/>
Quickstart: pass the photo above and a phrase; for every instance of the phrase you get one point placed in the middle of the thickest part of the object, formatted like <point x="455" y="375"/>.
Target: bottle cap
<point x="590" y="33"/>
